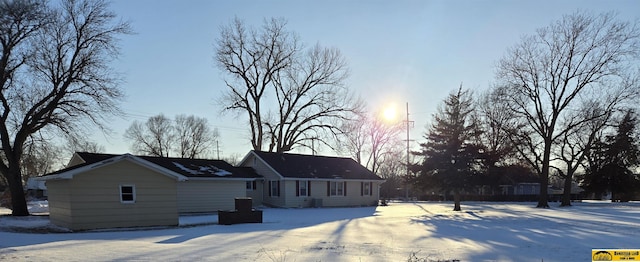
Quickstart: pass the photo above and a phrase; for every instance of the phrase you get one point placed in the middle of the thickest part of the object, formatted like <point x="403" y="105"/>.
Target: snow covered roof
<point x="202" y="167"/>
<point x="315" y="167"/>
<point x="180" y="168"/>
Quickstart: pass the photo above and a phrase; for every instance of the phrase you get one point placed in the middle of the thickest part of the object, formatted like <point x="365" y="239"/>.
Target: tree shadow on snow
<point x="275" y="221"/>
<point x="496" y="232"/>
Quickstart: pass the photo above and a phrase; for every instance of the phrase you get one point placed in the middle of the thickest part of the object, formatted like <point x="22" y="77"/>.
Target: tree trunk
<point x="566" y="195"/>
<point x="614" y="196"/>
<point x="456" y="200"/>
<point x="543" y="198"/>
<point x="18" y="200"/>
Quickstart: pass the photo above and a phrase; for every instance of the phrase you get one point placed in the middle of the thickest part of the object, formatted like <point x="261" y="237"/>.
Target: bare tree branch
<point x="54" y="72"/>
<point x="267" y="67"/>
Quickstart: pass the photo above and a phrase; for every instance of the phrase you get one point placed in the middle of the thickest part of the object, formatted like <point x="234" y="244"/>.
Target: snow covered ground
<point x="482" y="232"/>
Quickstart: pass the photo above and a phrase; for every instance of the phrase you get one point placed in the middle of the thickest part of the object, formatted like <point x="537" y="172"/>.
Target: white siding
<point x="257" y="194"/>
<point x="352" y="198"/>
<point x="317" y="190"/>
<point x="273" y="200"/>
<point x="288" y="196"/>
<point x="260" y="167"/>
<point x="209" y="196"/>
<point x="269" y="175"/>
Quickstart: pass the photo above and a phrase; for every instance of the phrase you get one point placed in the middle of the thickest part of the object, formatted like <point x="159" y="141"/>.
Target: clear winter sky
<point x="397" y="51"/>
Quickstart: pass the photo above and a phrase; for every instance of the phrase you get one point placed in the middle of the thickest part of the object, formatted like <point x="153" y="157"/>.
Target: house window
<point x="127" y="193"/>
<point x="251" y="185"/>
<point x="274" y="188"/>
<point x="366" y="189"/>
<point x="302" y="188"/>
<point x="337" y="189"/>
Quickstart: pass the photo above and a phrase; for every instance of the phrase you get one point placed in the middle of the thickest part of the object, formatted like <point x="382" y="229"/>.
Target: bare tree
<point x="494" y="120"/>
<point x="54" y="73"/>
<point x="392" y="168"/>
<point x="194" y="136"/>
<point x="234" y="158"/>
<point x="155" y="137"/>
<point x="544" y="78"/>
<point x="354" y="139"/>
<point x="79" y="144"/>
<point x="267" y="66"/>
<point x="371" y="141"/>
<point x="40" y="157"/>
<point x="252" y="57"/>
<point x="187" y="136"/>
<point x="376" y="145"/>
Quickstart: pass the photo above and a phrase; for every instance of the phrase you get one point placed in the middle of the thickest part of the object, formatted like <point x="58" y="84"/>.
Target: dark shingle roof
<point x="184" y="166"/>
<point x="320" y="167"/>
<point x="91" y="158"/>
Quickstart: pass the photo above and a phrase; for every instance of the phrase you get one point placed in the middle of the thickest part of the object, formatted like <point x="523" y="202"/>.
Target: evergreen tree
<point x="451" y="157"/>
<point x="611" y="163"/>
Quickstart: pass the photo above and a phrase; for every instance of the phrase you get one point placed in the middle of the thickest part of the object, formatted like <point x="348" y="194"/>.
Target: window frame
<point x="366" y="189"/>
<point x="132" y="194"/>
<point x="274" y="188"/>
<point x="250" y="185"/>
<point x="303" y="184"/>
<point x="337" y="188"/>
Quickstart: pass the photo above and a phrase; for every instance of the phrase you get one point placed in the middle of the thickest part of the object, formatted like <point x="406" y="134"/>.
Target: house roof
<point x="93" y="157"/>
<point x="202" y="167"/>
<point x="183" y="168"/>
<point x="315" y="167"/>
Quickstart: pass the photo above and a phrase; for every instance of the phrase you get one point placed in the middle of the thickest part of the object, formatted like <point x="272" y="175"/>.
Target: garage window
<point x="127" y="194"/>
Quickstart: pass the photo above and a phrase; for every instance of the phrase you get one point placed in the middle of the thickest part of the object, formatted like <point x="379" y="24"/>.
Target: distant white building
<point x="36" y="188"/>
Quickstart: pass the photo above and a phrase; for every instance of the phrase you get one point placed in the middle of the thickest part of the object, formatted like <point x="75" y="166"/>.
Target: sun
<point x="390" y="113"/>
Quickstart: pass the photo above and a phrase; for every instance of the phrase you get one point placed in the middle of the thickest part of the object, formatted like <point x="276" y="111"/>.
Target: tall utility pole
<point x="409" y="125"/>
<point x="218" y="149"/>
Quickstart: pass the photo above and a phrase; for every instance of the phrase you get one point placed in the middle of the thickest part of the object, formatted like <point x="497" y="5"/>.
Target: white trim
<point x="344" y="186"/>
<point x="277" y="188"/>
<point x="133" y="192"/>
<point x="249" y="186"/>
<point x="306" y="188"/>
<point x="367" y="189"/>
<point x="244" y="159"/>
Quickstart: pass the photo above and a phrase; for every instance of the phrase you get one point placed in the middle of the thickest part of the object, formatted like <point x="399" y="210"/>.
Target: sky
<point x="398" y="52"/>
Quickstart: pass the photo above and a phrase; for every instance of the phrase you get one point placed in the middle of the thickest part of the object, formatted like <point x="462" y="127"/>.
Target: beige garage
<point x="106" y="191"/>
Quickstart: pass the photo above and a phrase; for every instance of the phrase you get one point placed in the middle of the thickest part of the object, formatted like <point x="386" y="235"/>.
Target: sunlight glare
<point x="390" y="113"/>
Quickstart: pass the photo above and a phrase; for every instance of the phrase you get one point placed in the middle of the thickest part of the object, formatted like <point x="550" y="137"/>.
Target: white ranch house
<point x="106" y="190"/>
